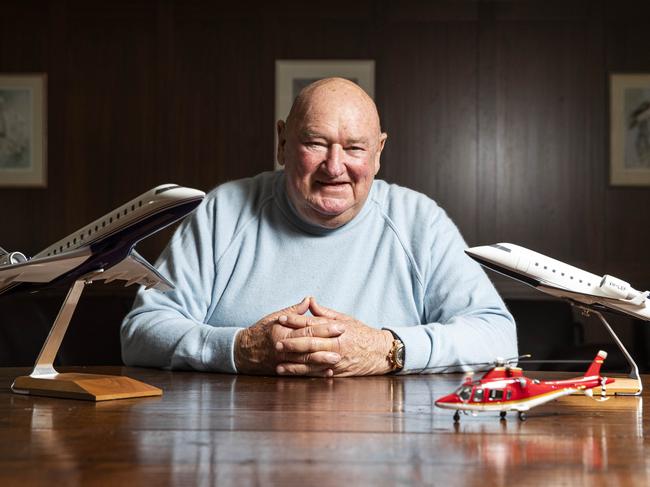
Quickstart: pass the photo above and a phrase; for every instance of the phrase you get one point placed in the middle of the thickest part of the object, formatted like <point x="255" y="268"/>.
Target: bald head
<point x="334" y="90"/>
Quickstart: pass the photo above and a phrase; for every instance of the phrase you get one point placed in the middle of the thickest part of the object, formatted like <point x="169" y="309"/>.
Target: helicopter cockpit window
<point x="496" y="395"/>
<point x="478" y="395"/>
<point x="464" y="392"/>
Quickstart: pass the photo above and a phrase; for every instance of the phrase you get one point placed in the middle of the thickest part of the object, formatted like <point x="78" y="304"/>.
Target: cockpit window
<point x="478" y="395"/>
<point x="464" y="392"/>
<point x="166" y="188"/>
<point x="500" y="247"/>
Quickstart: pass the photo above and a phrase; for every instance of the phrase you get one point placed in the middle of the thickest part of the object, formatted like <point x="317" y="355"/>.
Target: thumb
<point x="318" y="310"/>
<point x="299" y="308"/>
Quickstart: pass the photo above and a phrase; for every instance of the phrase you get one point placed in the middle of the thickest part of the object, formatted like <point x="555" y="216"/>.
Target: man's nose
<point x="334" y="164"/>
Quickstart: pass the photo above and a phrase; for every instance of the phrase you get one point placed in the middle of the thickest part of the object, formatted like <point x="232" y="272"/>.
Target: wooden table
<point x="211" y="429"/>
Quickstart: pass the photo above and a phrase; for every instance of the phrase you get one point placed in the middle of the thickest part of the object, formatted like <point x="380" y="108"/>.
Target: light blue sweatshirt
<point x="244" y="253"/>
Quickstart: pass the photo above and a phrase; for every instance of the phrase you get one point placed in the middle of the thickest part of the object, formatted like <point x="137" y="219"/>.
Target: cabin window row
<point x="562" y="273"/>
<point x="90" y="230"/>
<point x="493" y="394"/>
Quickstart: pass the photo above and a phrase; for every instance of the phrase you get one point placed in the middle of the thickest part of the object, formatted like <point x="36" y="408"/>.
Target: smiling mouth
<point x="331" y="184"/>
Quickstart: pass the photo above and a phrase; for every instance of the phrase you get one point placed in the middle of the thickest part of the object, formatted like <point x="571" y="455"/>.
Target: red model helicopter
<point x="504" y="388"/>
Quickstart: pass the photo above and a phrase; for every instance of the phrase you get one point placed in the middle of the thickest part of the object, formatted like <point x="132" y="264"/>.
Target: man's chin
<point x="329" y="217"/>
<point x="330" y="210"/>
<point x="327" y="213"/>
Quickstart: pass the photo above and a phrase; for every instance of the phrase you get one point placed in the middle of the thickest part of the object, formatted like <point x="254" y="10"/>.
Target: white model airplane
<point x="103" y="250"/>
<point x="562" y="280"/>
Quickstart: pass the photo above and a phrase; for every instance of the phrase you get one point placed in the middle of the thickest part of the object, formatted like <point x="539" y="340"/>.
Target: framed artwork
<point x="22" y="130"/>
<point x="291" y="76"/>
<point x="629" y="129"/>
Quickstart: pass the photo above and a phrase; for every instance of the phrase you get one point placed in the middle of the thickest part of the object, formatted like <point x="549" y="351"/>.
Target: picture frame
<point x="292" y="75"/>
<point x="629" y="129"/>
<point x="23" y="140"/>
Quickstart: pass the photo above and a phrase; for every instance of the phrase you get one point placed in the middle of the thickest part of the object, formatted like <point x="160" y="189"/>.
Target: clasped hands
<point x="326" y="344"/>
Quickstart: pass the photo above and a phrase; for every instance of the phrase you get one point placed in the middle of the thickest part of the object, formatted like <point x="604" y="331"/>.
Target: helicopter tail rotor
<point x="603" y="391"/>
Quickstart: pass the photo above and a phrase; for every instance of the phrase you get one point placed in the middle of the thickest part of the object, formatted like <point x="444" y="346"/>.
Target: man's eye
<point x="314" y="144"/>
<point x="355" y="148"/>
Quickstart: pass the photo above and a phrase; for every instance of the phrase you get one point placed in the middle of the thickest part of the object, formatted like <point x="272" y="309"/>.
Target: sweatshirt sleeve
<point x="465" y="320"/>
<point x="168" y="330"/>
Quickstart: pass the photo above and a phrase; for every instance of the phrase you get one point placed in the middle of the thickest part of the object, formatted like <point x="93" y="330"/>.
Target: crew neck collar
<point x="294" y="217"/>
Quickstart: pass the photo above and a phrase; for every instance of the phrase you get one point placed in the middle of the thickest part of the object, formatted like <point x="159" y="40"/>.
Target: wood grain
<point x="222" y="429"/>
<point x="86" y="387"/>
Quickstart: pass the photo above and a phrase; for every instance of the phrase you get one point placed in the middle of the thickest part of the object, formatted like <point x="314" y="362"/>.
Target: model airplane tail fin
<point x="594" y="368"/>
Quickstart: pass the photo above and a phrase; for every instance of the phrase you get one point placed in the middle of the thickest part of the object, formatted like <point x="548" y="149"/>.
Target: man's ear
<point x="282" y="140"/>
<point x="382" y="142"/>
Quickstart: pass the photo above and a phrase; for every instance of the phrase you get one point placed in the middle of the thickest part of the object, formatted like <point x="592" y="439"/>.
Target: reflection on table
<point x="210" y="428"/>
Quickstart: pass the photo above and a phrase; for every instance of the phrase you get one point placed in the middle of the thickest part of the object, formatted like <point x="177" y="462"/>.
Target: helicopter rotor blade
<point x="477" y="364"/>
<point x="516" y="359"/>
<point x="491" y="363"/>
<point x="556" y="361"/>
<point x="510" y="360"/>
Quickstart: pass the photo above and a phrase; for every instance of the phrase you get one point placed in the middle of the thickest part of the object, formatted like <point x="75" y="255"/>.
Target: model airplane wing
<point x="135" y="270"/>
<point x="43" y="269"/>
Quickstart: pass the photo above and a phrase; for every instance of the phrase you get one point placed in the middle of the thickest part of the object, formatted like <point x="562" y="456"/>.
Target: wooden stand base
<point x="621" y="385"/>
<point x="89" y="387"/>
<point x="46" y="381"/>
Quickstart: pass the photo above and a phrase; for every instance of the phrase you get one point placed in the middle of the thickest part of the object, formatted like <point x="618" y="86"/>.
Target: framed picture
<point x="22" y="130"/>
<point x="630" y="129"/>
<point x="291" y="76"/>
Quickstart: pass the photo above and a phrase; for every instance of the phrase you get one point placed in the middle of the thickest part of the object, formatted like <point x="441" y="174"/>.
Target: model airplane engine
<point x="8" y="258"/>
<point x="616" y="288"/>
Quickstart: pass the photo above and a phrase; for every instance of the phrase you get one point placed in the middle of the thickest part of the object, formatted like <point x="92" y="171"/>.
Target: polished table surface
<point x="210" y="429"/>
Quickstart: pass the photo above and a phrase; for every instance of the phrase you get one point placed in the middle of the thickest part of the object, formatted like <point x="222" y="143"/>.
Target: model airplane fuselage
<point x="562" y="280"/>
<point x="504" y="388"/>
<point x="103" y="250"/>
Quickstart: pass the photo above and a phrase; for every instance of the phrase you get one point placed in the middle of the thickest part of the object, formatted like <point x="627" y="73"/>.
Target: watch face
<point x="400" y="355"/>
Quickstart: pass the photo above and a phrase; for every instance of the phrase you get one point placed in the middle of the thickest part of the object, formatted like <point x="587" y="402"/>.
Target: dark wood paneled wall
<point x="496" y="109"/>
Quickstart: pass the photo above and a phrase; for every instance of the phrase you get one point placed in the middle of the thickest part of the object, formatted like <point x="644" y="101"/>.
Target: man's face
<point x="331" y="155"/>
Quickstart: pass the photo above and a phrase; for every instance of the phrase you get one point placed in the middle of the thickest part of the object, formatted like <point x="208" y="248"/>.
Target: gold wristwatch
<point x="396" y="355"/>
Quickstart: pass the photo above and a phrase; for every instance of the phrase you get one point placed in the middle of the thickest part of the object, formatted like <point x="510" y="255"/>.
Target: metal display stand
<point x="46" y="381"/>
<point x="631" y="386"/>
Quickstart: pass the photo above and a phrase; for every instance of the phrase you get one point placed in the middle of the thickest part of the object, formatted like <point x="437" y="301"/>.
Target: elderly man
<point x="387" y="261"/>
